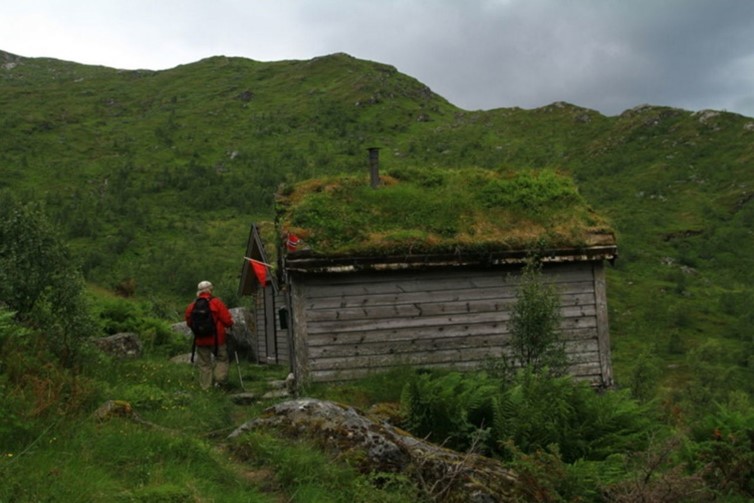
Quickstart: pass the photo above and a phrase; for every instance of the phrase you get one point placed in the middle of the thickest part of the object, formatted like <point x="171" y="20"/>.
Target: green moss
<point x="423" y="210"/>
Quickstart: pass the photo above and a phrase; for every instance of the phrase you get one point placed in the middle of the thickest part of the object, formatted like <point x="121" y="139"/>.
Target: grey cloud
<point x="608" y="55"/>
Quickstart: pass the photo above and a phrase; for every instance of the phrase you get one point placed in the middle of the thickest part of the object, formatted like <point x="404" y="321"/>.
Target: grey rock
<point x="123" y="345"/>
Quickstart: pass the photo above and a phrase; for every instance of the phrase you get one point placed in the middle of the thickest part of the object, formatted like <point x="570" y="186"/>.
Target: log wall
<point x="350" y="325"/>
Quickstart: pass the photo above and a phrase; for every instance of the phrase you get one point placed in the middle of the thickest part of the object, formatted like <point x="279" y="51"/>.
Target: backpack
<point x="202" y="323"/>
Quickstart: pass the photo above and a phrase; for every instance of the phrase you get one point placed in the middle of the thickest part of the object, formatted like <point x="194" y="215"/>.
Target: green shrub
<point x="545" y="477"/>
<point x="39" y="279"/>
<point x="531" y="190"/>
<point x="535" y="324"/>
<point x="117" y="315"/>
<point x="723" y="447"/>
<point x="644" y="377"/>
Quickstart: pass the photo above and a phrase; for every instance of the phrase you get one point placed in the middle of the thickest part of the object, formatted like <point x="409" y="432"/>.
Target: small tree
<point x="38" y="279"/>
<point x="535" y="324"/>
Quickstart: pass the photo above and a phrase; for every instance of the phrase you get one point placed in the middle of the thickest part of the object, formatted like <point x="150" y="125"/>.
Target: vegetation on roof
<point x="426" y="210"/>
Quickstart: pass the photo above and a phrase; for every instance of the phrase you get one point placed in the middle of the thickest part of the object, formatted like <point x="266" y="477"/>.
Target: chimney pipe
<point x="374" y="166"/>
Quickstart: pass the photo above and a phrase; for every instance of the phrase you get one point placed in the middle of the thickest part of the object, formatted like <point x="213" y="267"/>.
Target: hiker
<point x="210" y="339"/>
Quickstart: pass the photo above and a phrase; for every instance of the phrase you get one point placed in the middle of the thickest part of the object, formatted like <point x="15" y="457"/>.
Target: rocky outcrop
<point x="123" y="345"/>
<point x="444" y="474"/>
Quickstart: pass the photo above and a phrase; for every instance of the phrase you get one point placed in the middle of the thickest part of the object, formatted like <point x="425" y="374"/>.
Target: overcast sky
<point x="607" y="55"/>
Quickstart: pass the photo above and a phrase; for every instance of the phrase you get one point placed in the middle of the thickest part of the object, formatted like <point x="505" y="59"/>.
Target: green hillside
<point x="155" y="177"/>
<point x="122" y="189"/>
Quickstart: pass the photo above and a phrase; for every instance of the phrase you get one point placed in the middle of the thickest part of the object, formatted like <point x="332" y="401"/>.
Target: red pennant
<point x="260" y="270"/>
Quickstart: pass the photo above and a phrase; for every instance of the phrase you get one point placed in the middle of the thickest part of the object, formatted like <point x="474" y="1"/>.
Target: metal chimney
<point x="374" y="166"/>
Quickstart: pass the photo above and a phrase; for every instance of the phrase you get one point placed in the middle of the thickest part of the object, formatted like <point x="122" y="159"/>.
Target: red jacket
<point x="222" y="319"/>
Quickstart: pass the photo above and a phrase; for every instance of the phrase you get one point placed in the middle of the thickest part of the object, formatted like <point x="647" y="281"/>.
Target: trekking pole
<point x="238" y="366"/>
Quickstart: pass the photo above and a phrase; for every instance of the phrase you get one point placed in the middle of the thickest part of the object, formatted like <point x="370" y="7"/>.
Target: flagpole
<point x="259" y="262"/>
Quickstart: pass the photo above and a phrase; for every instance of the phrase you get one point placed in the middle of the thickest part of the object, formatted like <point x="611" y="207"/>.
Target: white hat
<point x="203" y="287"/>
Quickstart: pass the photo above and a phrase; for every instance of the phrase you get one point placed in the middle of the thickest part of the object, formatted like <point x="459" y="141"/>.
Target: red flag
<point x="260" y="270"/>
<point x="292" y="243"/>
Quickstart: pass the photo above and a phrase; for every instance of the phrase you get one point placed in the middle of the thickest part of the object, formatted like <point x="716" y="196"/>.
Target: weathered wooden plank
<point x="427" y="304"/>
<point x="413" y="310"/>
<point x="407" y="322"/>
<point x="335" y="285"/>
<point x="398" y="334"/>
<point x="575" y="334"/>
<point x="424" y="358"/>
<point x="395" y="347"/>
<point x="582" y="345"/>
<point x="346" y="301"/>
<point x="578" y="311"/>
<point x="300" y="346"/>
<point x="585" y="373"/>
<point x="589" y="373"/>
<point x="269" y="326"/>
<point x="581" y="290"/>
<point x="578" y="327"/>
<point x="585" y="369"/>
<point x="260" y="346"/>
<point x="356" y="373"/>
<point x="396" y="321"/>
<point x="570" y="330"/>
<point x="571" y="305"/>
<point x="579" y="350"/>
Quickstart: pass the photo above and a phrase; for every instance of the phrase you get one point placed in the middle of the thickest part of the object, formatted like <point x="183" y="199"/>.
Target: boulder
<point x="122" y="345"/>
<point x="443" y="474"/>
<point x="182" y="329"/>
<point x="240" y="335"/>
<point x="182" y="358"/>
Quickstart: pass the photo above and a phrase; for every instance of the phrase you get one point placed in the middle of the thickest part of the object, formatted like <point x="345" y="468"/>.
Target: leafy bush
<point x="39" y="280"/>
<point x="116" y="315"/>
<point x="531" y="190"/>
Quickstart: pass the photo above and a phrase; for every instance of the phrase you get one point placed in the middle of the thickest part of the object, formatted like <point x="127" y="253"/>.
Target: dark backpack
<point x="202" y="323"/>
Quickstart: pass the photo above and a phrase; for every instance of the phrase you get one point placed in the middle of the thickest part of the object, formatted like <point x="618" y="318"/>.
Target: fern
<point x="538" y="410"/>
<point x="452" y="409"/>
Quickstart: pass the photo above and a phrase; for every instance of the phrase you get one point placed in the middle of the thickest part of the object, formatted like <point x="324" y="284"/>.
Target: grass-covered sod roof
<point x="439" y="211"/>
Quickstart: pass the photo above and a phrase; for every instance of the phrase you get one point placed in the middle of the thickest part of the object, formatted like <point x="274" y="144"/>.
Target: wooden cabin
<point x="373" y="286"/>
